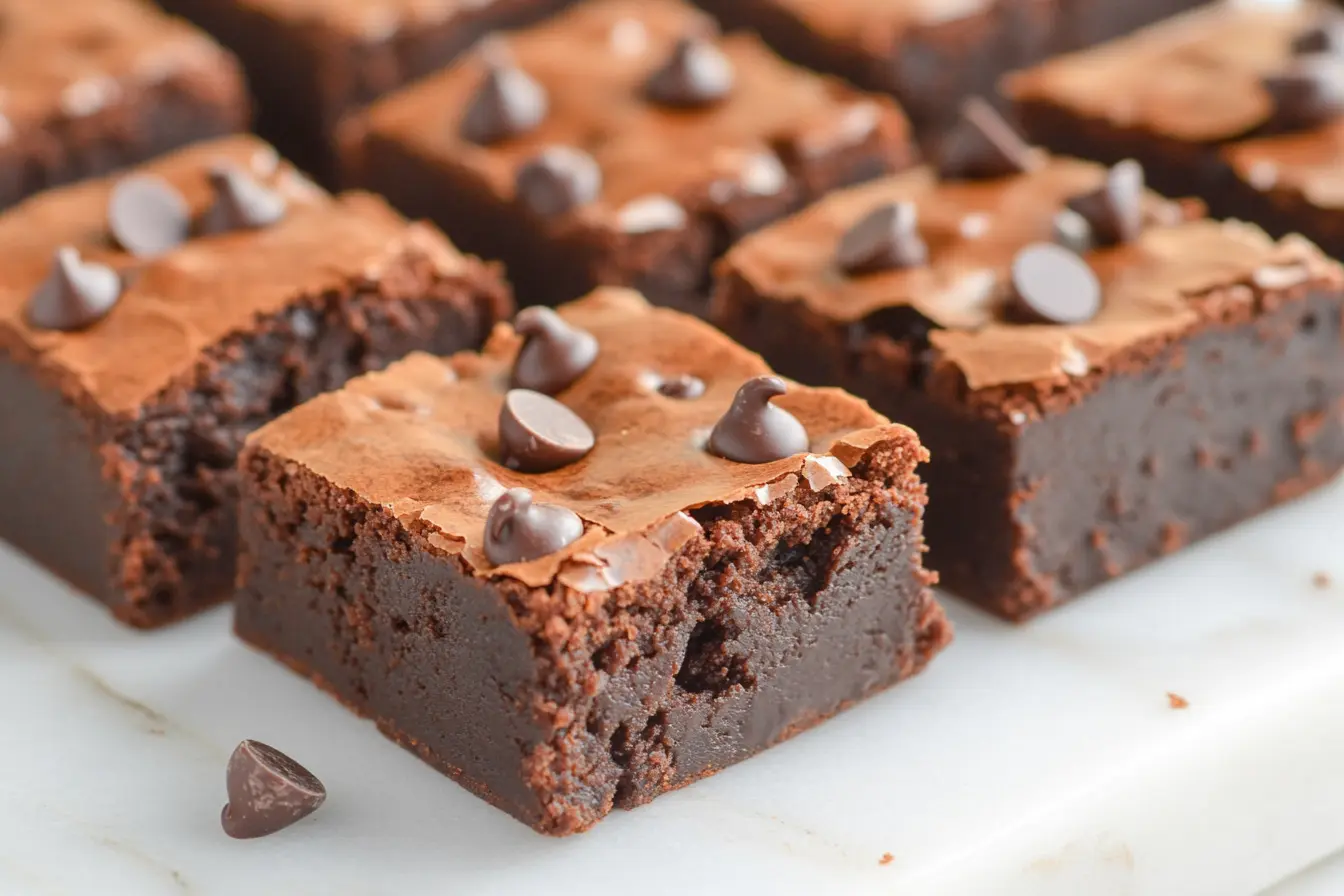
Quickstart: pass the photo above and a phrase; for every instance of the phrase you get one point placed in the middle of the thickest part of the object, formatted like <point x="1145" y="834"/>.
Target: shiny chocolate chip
<point x="517" y="530"/>
<point x="1307" y="93"/>
<point x="1114" y="211"/>
<point x="683" y="386"/>
<point x="1052" y="285"/>
<point x="241" y="202"/>
<point x="75" y="295"/>
<point x="268" y="791"/>
<point x="696" y="74"/>
<point x="147" y="216"/>
<point x="754" y="431"/>
<point x="508" y="102"/>
<point x="1072" y="231"/>
<point x="554" y="353"/>
<point x="885" y="239"/>
<point x="558" y="180"/>
<point x="1325" y="37"/>
<point x="982" y="146"/>
<point x="538" y="434"/>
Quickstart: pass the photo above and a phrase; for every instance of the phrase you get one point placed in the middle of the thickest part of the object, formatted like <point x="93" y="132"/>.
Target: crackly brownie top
<point x="117" y="326"/>
<point x="61" y="63"/>
<point x="424" y="439"/>
<point x="657" y="134"/>
<point x="974" y="231"/>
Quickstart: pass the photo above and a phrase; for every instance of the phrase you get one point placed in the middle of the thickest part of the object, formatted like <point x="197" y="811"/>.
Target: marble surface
<point x="1041" y="761"/>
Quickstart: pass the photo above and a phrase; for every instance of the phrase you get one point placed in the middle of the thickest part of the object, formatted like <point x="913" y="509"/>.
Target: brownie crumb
<point x="1321" y="580"/>
<point x="1176" y="701"/>
<point x="886" y="859"/>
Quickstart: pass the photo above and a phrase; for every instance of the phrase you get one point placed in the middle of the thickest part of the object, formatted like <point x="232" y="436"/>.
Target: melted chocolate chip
<point x="1114" y="211"/>
<point x="885" y="239"/>
<point x="1052" y="285"/>
<point x="538" y="434"/>
<point x="75" y="295"/>
<point x="146" y="216"/>
<point x="554" y="354"/>
<point x="559" y="180"/>
<point x="1307" y="93"/>
<point x="683" y="386"/>
<point x="982" y="146"/>
<point x="754" y="431"/>
<point x="268" y="791"/>
<point x="1326" y="37"/>
<point x="1072" y="231"/>
<point x="517" y="530"/>
<point x="241" y="202"/>
<point x="696" y="74"/>
<point x="508" y="102"/>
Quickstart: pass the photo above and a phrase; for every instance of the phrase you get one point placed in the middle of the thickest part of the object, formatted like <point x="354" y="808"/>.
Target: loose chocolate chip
<point x="982" y="146"/>
<point x="1309" y="92"/>
<point x="1072" y="231"/>
<point x="516" y="530"/>
<point x="696" y="74"/>
<point x="885" y="239"/>
<point x="1114" y="211"/>
<point x="241" y="202"/>
<point x="682" y="386"/>
<point x="754" y="431"/>
<point x="538" y="434"/>
<point x="146" y="216"/>
<point x="268" y="791"/>
<point x="554" y="354"/>
<point x="75" y="295"/>
<point x="507" y="104"/>
<point x="1052" y="285"/>
<point x="1327" y="37"/>
<point x="559" y="180"/>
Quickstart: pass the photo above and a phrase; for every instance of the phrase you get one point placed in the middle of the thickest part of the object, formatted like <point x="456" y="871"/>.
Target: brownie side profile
<point x="310" y="62"/>
<point x="709" y="609"/>
<point x="114" y="85"/>
<point x="612" y="180"/>
<point x="1208" y="387"/>
<point x="120" y="474"/>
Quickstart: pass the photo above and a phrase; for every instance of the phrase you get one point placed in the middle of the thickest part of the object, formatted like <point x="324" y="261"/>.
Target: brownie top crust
<point x="59" y="63"/>
<point x="422" y="439"/>
<point x="974" y="231"/>
<point x="595" y="65"/>
<point x="169" y="306"/>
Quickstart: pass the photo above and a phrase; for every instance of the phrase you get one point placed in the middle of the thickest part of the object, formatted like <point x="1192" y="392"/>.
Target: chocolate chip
<point x="554" y="354"/>
<point x="559" y="180"/>
<point x="538" y="434"/>
<point x="1309" y="92"/>
<point x="1052" y="285"/>
<point x="1327" y="37"/>
<point x="268" y="791"/>
<point x="982" y="146"/>
<point x="75" y="295"/>
<point x="1114" y="211"/>
<point x="696" y="74"/>
<point x="754" y="431"/>
<point x="241" y="202"/>
<point x="516" y="530"/>
<point x="146" y="216"/>
<point x="885" y="239"/>
<point x="508" y="102"/>
<point x="1072" y="231"/>
<point x="683" y="386"/>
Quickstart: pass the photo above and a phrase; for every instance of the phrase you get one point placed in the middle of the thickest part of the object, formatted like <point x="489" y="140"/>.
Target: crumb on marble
<point x="886" y="859"/>
<point x="1176" y="701"/>
<point x="1321" y="580"/>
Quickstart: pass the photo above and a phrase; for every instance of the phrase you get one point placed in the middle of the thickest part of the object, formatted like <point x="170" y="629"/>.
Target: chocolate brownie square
<point x="1241" y="102"/>
<point x="312" y="61"/>
<point x="113" y="82"/>
<point x="148" y="323"/>
<point x="1099" y="381"/>
<point x="580" y="602"/>
<point x="621" y="143"/>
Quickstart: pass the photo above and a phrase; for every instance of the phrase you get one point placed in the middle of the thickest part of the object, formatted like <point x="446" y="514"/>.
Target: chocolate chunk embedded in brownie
<point x="576" y="601"/>
<point x="149" y="322"/>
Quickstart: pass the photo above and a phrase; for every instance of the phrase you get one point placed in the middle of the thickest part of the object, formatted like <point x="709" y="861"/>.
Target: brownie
<point x="149" y="323"/>
<point x="312" y="61"/>
<point x="621" y="143"/>
<point x="115" y="84"/>
<point x="1086" y="413"/>
<point x="636" y="612"/>
<point x="1239" y="102"/>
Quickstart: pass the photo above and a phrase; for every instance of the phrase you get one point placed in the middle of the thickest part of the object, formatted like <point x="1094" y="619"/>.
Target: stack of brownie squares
<point x="796" y="297"/>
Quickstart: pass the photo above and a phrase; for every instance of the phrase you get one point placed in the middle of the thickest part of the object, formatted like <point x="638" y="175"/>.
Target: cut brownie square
<point x="312" y="61"/>
<point x="112" y="83"/>
<point x="1086" y="413"/>
<point x="635" y="613"/>
<point x="149" y="323"/>
<point x="620" y="143"/>
<point x="1239" y="102"/>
